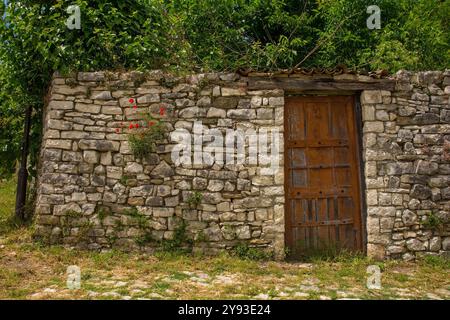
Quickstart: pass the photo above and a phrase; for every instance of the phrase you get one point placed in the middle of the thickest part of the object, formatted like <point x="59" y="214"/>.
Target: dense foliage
<point x="203" y="35"/>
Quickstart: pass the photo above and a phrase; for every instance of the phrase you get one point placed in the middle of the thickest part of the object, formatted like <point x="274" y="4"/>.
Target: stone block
<point x="87" y="108"/>
<point x="371" y="97"/>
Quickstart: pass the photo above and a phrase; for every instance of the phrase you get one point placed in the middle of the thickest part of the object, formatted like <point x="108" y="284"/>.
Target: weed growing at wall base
<point x="244" y="251"/>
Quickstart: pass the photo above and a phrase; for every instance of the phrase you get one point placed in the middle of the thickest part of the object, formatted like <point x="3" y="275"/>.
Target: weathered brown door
<point x="323" y="207"/>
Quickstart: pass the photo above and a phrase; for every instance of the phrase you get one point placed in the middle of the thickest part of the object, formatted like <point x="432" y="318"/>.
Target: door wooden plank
<point x="322" y="174"/>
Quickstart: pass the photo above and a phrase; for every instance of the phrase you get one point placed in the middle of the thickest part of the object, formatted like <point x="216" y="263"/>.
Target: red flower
<point x="131" y="100"/>
<point x="117" y="130"/>
<point x="137" y="125"/>
<point x="131" y="126"/>
<point x="151" y="123"/>
<point x="134" y="107"/>
<point x="162" y="111"/>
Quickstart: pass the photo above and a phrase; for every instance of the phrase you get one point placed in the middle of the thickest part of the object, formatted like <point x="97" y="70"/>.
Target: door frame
<point x="361" y="167"/>
<point x="358" y="122"/>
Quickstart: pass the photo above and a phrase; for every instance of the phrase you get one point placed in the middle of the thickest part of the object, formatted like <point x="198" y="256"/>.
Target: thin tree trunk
<point x="21" y="194"/>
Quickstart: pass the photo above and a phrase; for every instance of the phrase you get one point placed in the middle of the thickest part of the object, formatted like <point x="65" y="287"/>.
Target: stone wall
<point x="407" y="166"/>
<point x="93" y="192"/>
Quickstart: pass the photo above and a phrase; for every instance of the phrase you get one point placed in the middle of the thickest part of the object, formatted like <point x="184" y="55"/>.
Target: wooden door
<point x="323" y="205"/>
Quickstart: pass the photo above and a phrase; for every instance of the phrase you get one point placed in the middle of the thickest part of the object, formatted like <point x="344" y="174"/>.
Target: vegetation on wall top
<point x="203" y="35"/>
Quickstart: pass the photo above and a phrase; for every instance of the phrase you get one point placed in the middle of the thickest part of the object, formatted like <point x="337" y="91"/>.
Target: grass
<point x="8" y="221"/>
<point x="7" y="203"/>
<point x="7" y="197"/>
<point x="29" y="270"/>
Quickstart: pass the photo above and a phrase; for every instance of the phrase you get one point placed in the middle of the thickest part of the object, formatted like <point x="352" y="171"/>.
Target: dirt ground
<point x="31" y="271"/>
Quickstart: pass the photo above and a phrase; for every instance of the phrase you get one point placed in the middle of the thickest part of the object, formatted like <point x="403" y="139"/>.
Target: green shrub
<point x="102" y="213"/>
<point x="144" y="239"/>
<point x="441" y="262"/>
<point x="201" y="35"/>
<point x="114" y="35"/>
<point x="433" y="221"/>
<point x="195" y="199"/>
<point x="143" y="139"/>
<point x="140" y="218"/>
<point x="244" y="251"/>
<point x="178" y="241"/>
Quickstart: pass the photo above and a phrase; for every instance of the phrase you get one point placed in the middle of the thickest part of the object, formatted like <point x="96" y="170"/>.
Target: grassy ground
<point x="31" y="271"/>
<point x="7" y="202"/>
